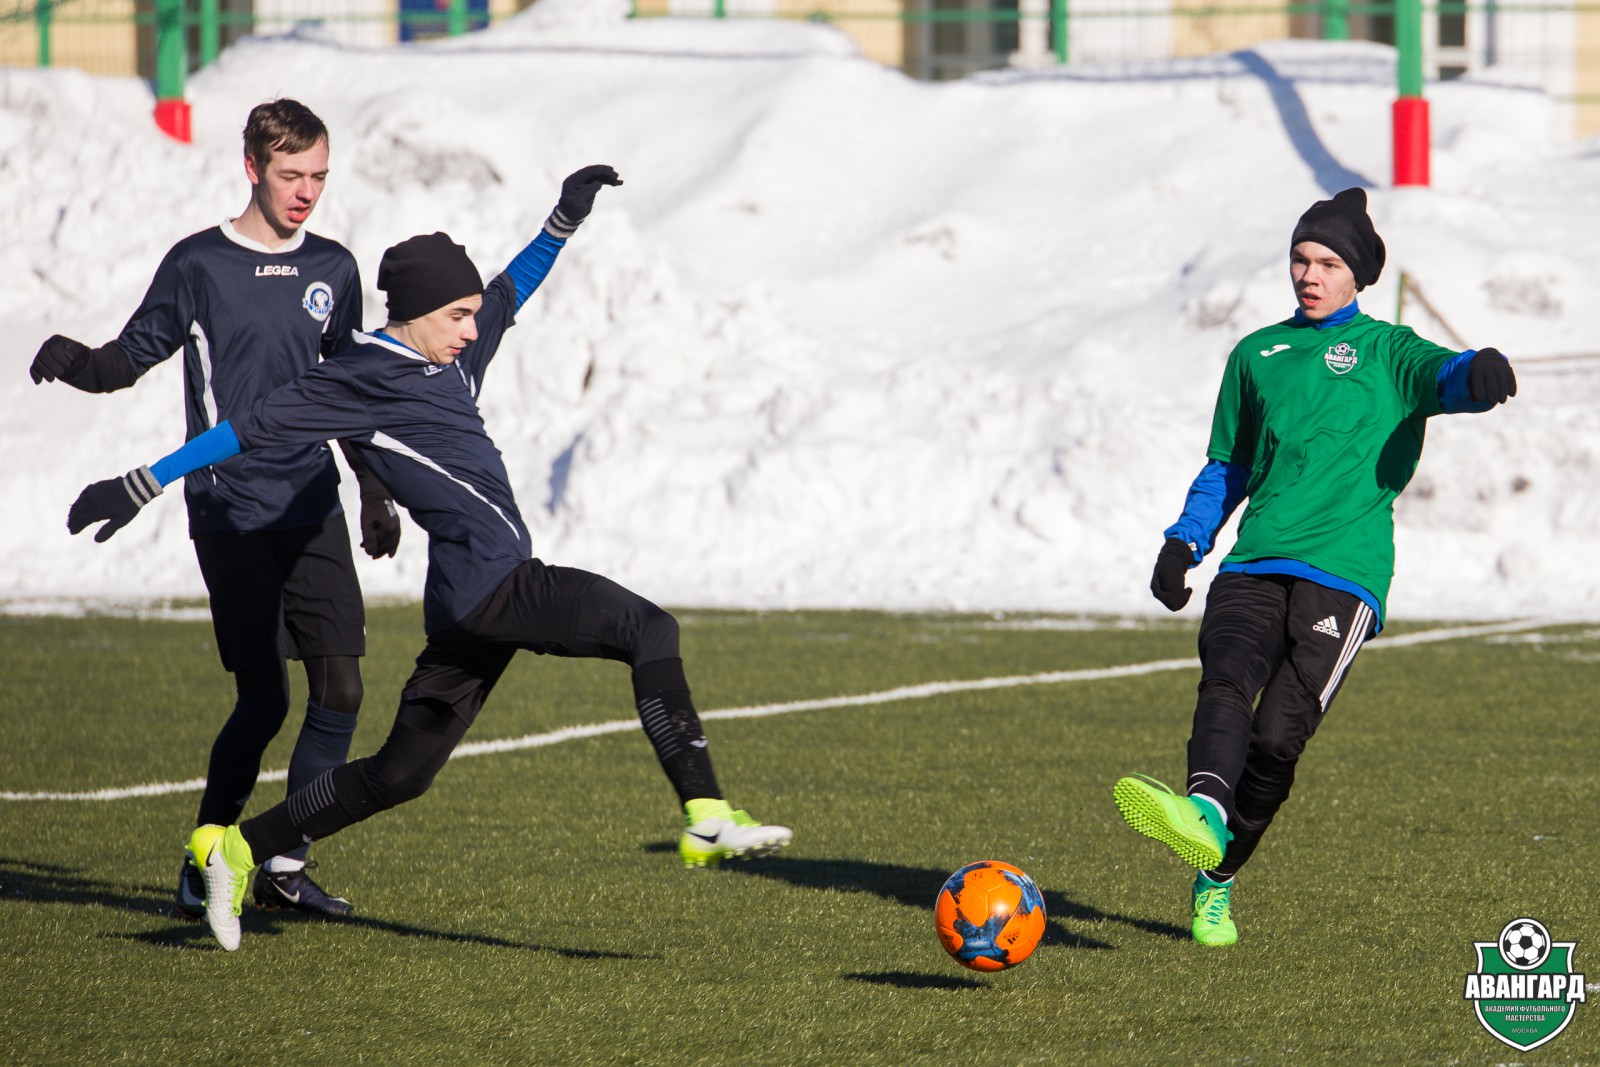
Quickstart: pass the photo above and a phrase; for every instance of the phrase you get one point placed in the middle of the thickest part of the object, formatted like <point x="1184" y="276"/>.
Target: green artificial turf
<point x="531" y="907"/>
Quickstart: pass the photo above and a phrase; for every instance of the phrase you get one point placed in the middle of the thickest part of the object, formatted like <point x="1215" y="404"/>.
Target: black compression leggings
<point x="334" y="683"/>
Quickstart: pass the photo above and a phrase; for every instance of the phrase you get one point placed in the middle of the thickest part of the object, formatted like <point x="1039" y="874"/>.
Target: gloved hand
<point x="59" y="357"/>
<point x="577" y="198"/>
<point x="380" y="526"/>
<point x="1172" y="564"/>
<point x="1489" y="377"/>
<point x="115" y="499"/>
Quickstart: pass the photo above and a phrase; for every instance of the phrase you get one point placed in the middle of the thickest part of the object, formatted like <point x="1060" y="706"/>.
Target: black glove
<point x="380" y="526"/>
<point x="115" y="499"/>
<point x="1171" y="566"/>
<point x="577" y="198"/>
<point x="1489" y="377"/>
<point x="59" y="357"/>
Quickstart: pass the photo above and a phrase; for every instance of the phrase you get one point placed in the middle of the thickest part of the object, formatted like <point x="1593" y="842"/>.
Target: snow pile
<point x="842" y="338"/>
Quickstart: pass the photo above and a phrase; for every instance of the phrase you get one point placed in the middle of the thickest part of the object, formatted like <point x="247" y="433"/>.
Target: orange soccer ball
<point x="989" y="915"/>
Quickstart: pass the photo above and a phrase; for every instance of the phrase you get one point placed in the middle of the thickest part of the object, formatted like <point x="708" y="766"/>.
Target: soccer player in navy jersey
<point x="406" y="397"/>
<point x="252" y="304"/>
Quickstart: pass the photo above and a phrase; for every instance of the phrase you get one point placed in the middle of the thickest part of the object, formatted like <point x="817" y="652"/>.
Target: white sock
<point x="284" y="864"/>
<point x="1216" y="807"/>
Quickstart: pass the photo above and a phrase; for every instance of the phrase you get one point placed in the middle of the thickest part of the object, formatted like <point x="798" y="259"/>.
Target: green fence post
<point x="458" y="18"/>
<point x="41" y="10"/>
<point x="172" y="65"/>
<point x="210" y="32"/>
<point x="1411" y="125"/>
<point x="720" y="9"/>
<point x="172" y="53"/>
<point x="1336" y="20"/>
<point x="1058" y="28"/>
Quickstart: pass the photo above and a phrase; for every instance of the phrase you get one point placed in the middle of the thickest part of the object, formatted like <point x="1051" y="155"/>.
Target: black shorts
<point x="283" y="594"/>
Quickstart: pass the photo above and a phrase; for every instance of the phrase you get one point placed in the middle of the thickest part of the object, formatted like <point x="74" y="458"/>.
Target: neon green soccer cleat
<point x="713" y="831"/>
<point x="1213" y="922"/>
<point x="225" y="860"/>
<point x="1188" y="826"/>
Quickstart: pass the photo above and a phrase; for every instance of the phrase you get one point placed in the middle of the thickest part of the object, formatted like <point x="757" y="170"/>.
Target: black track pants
<point x="1291" y="641"/>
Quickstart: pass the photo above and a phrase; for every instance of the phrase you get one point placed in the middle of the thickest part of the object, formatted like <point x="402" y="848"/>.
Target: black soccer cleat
<point x="190" y="902"/>
<point x="295" y="889"/>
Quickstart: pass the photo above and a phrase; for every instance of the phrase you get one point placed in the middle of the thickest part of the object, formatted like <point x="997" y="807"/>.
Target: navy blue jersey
<point x="249" y="320"/>
<point x="417" y="425"/>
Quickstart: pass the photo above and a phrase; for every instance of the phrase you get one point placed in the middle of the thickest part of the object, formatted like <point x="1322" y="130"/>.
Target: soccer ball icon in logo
<point x="989" y="915"/>
<point x="1524" y="943"/>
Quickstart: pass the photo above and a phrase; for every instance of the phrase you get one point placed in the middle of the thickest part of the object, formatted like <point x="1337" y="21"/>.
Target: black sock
<point x="323" y="744"/>
<point x="661" y="693"/>
<point x="338" y="798"/>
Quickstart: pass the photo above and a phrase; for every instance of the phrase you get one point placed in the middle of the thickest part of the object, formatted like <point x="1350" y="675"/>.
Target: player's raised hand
<point x="1490" y="377"/>
<point x="1167" y="583"/>
<point x="578" y="191"/>
<point x="59" y="357"/>
<point x="115" y="501"/>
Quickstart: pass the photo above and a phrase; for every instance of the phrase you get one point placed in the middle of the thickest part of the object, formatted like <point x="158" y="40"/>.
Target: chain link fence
<point x="1552" y="46"/>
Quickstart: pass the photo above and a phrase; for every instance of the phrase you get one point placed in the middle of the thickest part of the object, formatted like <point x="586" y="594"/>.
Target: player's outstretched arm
<point x="1490" y="379"/>
<point x="1476" y="381"/>
<point x="116" y="501"/>
<point x="94" y="370"/>
<point x="578" y="191"/>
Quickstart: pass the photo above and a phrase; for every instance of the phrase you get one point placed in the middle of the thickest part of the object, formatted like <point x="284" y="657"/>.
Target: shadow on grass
<point x="917" y="887"/>
<point x="913" y="980"/>
<point x="46" y="883"/>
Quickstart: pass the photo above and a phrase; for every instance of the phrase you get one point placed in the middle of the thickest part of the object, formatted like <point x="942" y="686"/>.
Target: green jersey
<point x="1329" y="423"/>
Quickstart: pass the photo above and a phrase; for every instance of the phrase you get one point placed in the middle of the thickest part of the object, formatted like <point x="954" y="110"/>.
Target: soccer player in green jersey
<point x="1319" y="425"/>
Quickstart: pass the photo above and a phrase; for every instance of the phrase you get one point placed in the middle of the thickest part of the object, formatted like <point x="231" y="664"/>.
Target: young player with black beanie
<point x="1319" y="425"/>
<point x="407" y="397"/>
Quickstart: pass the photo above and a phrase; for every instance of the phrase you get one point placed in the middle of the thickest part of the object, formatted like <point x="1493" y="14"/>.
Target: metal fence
<point x="1553" y="46"/>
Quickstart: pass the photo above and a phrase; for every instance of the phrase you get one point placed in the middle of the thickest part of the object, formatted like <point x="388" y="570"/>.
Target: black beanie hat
<point x="1342" y="225"/>
<point x="424" y="274"/>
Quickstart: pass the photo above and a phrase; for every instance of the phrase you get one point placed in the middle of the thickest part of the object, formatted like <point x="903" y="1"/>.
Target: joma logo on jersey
<point x="1340" y="358"/>
<point x="276" y="270"/>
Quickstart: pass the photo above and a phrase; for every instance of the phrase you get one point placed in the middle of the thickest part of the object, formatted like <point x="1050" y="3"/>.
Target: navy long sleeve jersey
<point x="417" y="425"/>
<point x="249" y="320"/>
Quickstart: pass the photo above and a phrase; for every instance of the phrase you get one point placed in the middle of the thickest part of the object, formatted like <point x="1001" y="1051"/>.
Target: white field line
<point x="886" y="696"/>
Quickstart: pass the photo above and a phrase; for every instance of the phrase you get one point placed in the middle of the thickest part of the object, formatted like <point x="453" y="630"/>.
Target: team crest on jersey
<point x="1340" y="358"/>
<point x="318" y="301"/>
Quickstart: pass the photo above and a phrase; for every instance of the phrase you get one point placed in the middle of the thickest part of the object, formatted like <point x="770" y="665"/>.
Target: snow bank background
<point x="842" y="338"/>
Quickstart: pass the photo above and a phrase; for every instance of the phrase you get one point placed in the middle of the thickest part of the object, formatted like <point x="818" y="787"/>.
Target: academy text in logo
<point x="1340" y="358"/>
<point x="1525" y="990"/>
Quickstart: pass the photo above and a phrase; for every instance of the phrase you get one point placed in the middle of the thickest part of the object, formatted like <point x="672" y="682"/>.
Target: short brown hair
<point x="284" y="125"/>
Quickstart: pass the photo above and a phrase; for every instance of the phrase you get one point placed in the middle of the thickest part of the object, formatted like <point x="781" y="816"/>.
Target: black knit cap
<point x="1342" y="225"/>
<point x="424" y="274"/>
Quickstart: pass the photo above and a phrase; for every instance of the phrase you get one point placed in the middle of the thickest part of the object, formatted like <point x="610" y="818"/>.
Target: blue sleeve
<point x="207" y="450"/>
<point x="1216" y="492"/>
<point x="533" y="263"/>
<point x="1454" y="397"/>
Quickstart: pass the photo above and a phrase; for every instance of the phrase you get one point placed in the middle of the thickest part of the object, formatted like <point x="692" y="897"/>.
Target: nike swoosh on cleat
<point x="709" y="839"/>
<point x="293" y="898"/>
